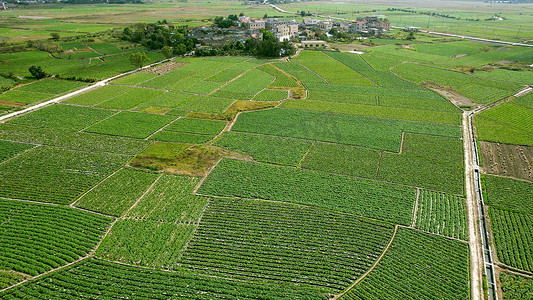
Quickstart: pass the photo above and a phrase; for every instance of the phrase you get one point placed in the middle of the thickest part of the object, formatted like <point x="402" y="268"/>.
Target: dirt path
<point x="371" y="268"/>
<point x="474" y="240"/>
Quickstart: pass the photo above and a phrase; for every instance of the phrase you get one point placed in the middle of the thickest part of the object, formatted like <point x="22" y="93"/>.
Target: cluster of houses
<point x="287" y="29"/>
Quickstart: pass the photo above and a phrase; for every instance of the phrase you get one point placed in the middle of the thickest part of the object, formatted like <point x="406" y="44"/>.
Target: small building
<point x="310" y="21"/>
<point x="313" y="44"/>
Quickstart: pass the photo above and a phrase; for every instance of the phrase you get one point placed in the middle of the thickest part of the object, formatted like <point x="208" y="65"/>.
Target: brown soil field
<point x="507" y="160"/>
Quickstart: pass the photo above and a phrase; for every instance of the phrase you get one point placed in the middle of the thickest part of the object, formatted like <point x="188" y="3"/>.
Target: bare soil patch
<point x="507" y="160"/>
<point x="165" y="68"/>
<point x="454" y="97"/>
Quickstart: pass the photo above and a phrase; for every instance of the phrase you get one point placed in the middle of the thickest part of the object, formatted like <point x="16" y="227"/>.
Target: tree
<point x="37" y="72"/>
<point x="411" y="35"/>
<point x="167" y="51"/>
<point x="55" y="36"/>
<point x="139" y="59"/>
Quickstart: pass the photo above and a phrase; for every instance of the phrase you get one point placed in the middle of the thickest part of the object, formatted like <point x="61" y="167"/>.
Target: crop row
<point x="513" y="238"/>
<point x="55" y="175"/>
<point x="249" y="84"/>
<point x="100" y="279"/>
<point x="117" y="193"/>
<point x="508" y="194"/>
<point x="71" y="139"/>
<point x="284" y="244"/>
<point x="377" y="133"/>
<point x="306" y="76"/>
<point x="198" y="126"/>
<point x="352" y="195"/>
<point x="37" y="238"/>
<point x="131" y="124"/>
<point x="10" y="149"/>
<point x="441" y="213"/>
<point x="511" y="118"/>
<point x="515" y="287"/>
<point x="418" y="266"/>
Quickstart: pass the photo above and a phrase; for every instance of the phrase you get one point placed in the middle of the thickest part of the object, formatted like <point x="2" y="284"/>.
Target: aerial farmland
<point x="143" y="158"/>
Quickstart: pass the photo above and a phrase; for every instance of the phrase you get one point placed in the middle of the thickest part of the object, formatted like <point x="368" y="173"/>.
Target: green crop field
<point x="101" y="278"/>
<point x="338" y="172"/>
<point x="347" y="194"/>
<point x="369" y="132"/>
<point x="37" y="238"/>
<point x="131" y="124"/>
<point x="60" y="176"/>
<point x="244" y="249"/>
<point x="418" y="265"/>
<point x="441" y="213"/>
<point x="117" y="193"/>
<point x="66" y="117"/>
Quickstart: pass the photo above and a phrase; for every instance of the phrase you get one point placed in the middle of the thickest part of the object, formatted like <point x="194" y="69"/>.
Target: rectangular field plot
<point x="306" y="76"/>
<point x="347" y="194"/>
<point x="513" y="237"/>
<point x="421" y="173"/>
<point x="418" y="266"/>
<point x="165" y="100"/>
<point x="271" y="95"/>
<point x="135" y="78"/>
<point x="516" y="287"/>
<point x="198" y="126"/>
<point x="438" y="148"/>
<point x="377" y="133"/>
<point x="71" y="139"/>
<point x="270" y="149"/>
<point x="284" y="244"/>
<point x="16" y="97"/>
<point x="146" y="242"/>
<point x="93" y="97"/>
<point x="131" y="98"/>
<point x="11" y="149"/>
<point x="510" y="117"/>
<point x="37" y="238"/>
<point x="376" y="111"/>
<point x="246" y="86"/>
<point x="55" y="175"/>
<point x="170" y="200"/>
<point x="51" y="86"/>
<point x="343" y="159"/>
<point x="131" y="124"/>
<point x="494" y="131"/>
<point x="330" y="69"/>
<point x="205" y="104"/>
<point x="441" y="213"/>
<point x="116" y="280"/>
<point x="117" y="193"/>
<point x="181" y="137"/>
<point x="508" y="194"/>
<point x="59" y="116"/>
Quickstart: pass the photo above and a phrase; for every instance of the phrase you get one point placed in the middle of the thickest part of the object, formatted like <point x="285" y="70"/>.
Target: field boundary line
<point x="401" y="142"/>
<point x="512" y="270"/>
<point x="20" y="153"/>
<point x="433" y="233"/>
<point x="299" y="165"/>
<point x="82" y="195"/>
<point x="372" y="267"/>
<point x="142" y="196"/>
<point x="416" y="207"/>
<point x="229" y="81"/>
<point x="108" y="117"/>
<point x="204" y="178"/>
<point x="95" y="105"/>
<point x="46" y="273"/>
<point x="354" y="70"/>
<point x="306" y="67"/>
<point x="162" y="128"/>
<point x="193" y="232"/>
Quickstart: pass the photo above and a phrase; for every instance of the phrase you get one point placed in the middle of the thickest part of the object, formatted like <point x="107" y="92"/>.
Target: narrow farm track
<point x="371" y="268"/>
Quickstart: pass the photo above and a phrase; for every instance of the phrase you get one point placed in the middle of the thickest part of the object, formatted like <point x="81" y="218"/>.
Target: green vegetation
<point x="51" y="86"/>
<point x="60" y="176"/>
<point x="11" y="149"/>
<point x="508" y="194"/>
<point x="99" y="95"/>
<point x="369" y="132"/>
<point x="437" y="148"/>
<point x="59" y="116"/>
<point x="513" y="238"/>
<point x="271" y="95"/>
<point x="271" y="242"/>
<point x="415" y="266"/>
<point x="70" y="139"/>
<point x="131" y="124"/>
<point x="181" y="137"/>
<point x="37" y="238"/>
<point x="270" y="149"/>
<point x="198" y="126"/>
<point x="515" y="287"/>
<point x="99" y="278"/>
<point x="246" y="86"/>
<point x="8" y="278"/>
<point x="130" y="99"/>
<point x="205" y="104"/>
<point x="442" y="214"/>
<point x="117" y="193"/>
<point x="507" y="123"/>
<point x="343" y="159"/>
<point x="352" y="195"/>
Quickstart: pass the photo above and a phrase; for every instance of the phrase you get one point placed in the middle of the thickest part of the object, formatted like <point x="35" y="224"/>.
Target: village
<point x="310" y="33"/>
